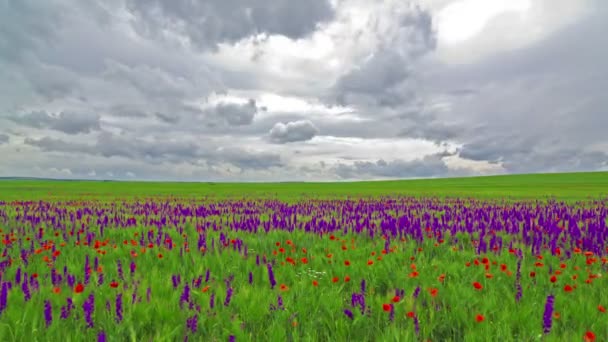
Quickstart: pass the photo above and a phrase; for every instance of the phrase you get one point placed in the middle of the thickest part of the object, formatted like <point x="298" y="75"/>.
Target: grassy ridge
<point x="562" y="186"/>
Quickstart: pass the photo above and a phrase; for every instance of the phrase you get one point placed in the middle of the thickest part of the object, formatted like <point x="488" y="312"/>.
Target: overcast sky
<point x="257" y="90"/>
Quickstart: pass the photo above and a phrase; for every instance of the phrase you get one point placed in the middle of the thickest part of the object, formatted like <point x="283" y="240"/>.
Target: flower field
<point x="384" y="269"/>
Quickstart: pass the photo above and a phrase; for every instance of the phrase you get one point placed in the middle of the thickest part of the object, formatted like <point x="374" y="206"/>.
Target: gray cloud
<point x="428" y="166"/>
<point x="163" y="78"/>
<point x="4" y="139"/>
<point x="301" y="130"/>
<point x="161" y="151"/>
<point x="378" y="81"/>
<point x="207" y="23"/>
<point x="66" y="122"/>
<point x="235" y="114"/>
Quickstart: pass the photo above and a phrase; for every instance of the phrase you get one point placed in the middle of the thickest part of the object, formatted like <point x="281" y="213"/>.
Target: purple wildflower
<point x="119" y="308"/>
<point x="547" y="319"/>
<point x="228" y="296"/>
<point x="273" y="282"/>
<point x="48" y="313"/>
<point x="348" y="313"/>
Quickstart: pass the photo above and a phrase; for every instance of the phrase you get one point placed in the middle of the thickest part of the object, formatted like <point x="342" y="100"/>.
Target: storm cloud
<point x="300" y="90"/>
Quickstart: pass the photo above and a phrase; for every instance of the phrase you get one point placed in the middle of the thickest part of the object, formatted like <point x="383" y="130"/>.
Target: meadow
<point x="510" y="258"/>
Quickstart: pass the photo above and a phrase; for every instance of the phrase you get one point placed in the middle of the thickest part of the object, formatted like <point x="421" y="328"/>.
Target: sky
<point x="317" y="90"/>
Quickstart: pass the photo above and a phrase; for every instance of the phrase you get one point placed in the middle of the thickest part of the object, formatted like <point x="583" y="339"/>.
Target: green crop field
<point x="561" y="186"/>
<point x="463" y="259"/>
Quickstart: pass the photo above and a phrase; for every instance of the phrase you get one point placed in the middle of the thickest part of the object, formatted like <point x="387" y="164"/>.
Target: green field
<point x="561" y="186"/>
<point x="447" y="260"/>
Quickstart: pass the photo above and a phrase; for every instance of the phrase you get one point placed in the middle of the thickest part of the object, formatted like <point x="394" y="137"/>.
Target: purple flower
<point x="250" y="278"/>
<point x="273" y="282"/>
<point x="119" y="308"/>
<point x="547" y="319"/>
<point x="228" y="296"/>
<point x="348" y="313"/>
<point x="132" y="267"/>
<point x="48" y="313"/>
<point x="3" y="296"/>
<point x="416" y="292"/>
<point x="101" y="337"/>
<point x="212" y="301"/>
<point x="89" y="307"/>
<point x="192" y="323"/>
<point x="185" y="297"/>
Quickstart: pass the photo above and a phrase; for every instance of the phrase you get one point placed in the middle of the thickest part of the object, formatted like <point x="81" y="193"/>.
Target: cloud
<point x="157" y="151"/>
<point x="206" y="24"/>
<point x="4" y="139"/>
<point x="378" y="80"/>
<point x="66" y="122"/>
<point x="218" y="90"/>
<point x="428" y="166"/>
<point x="234" y="114"/>
<point x="301" y="130"/>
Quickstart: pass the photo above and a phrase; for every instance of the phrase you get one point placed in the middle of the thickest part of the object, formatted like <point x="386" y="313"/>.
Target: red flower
<point x="346" y="279"/>
<point x="568" y="288"/>
<point x="78" y="288"/>
<point x="283" y="287"/>
<point x="553" y="279"/>
<point x="589" y="336"/>
<point x="304" y="260"/>
<point x="347" y="263"/>
<point x="335" y="279"/>
<point x="277" y="244"/>
<point x="315" y="283"/>
<point x="413" y="274"/>
<point x="411" y="314"/>
<point x="114" y="284"/>
<point x="396" y="299"/>
<point x="532" y="274"/>
<point x="433" y="292"/>
<point x="479" y="318"/>
<point x="477" y="286"/>
<point x="370" y="262"/>
<point x="160" y="256"/>
<point x="601" y="308"/>
<point x="386" y="307"/>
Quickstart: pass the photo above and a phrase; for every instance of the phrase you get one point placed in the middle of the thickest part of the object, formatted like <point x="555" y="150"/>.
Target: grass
<point x="433" y="246"/>
<point x="561" y="186"/>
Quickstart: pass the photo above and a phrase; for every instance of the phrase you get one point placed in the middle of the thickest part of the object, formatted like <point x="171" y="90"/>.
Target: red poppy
<point x="114" y="284"/>
<point x="347" y="263"/>
<point x="479" y="318"/>
<point x="433" y="292"/>
<point x="553" y="279"/>
<point x="160" y="256"/>
<point x="503" y="267"/>
<point x="411" y="314"/>
<point x="78" y="288"/>
<point x="315" y="283"/>
<point x="205" y="289"/>
<point x="277" y="244"/>
<point x="413" y="274"/>
<point x="346" y="279"/>
<point x="396" y="299"/>
<point x="386" y="307"/>
<point x="370" y="262"/>
<point x="335" y="279"/>
<point x="304" y="260"/>
<point x="568" y="288"/>
<point x="601" y="308"/>
<point x="283" y="287"/>
<point x="56" y="290"/>
<point x="477" y="286"/>
<point x="589" y="336"/>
